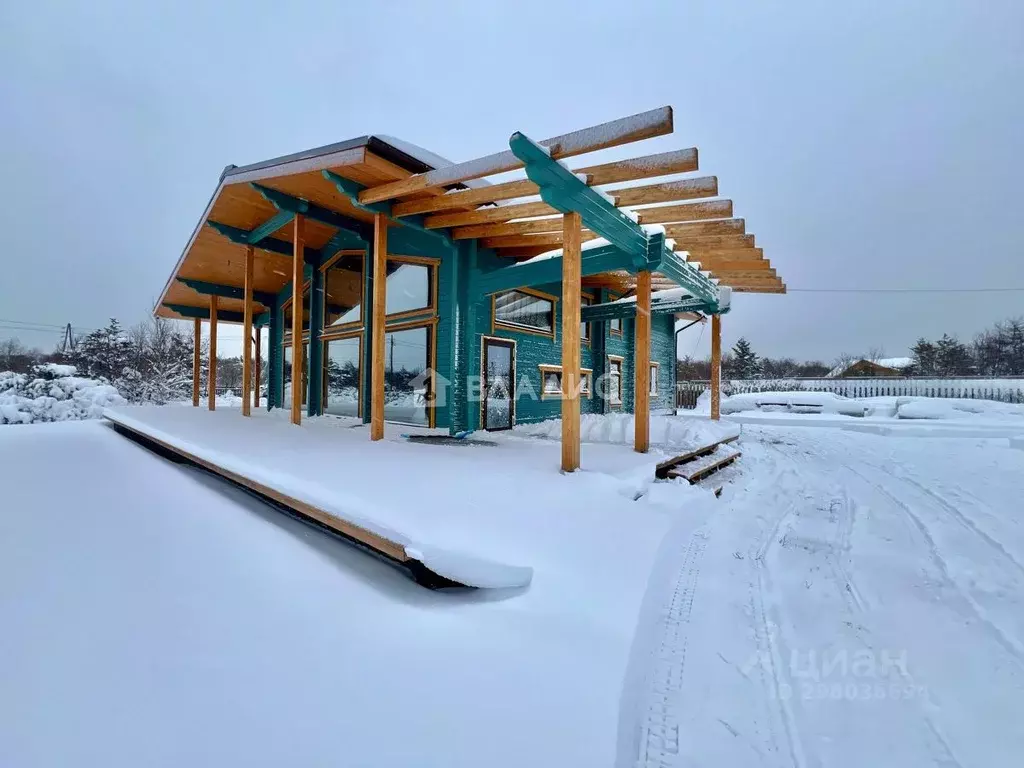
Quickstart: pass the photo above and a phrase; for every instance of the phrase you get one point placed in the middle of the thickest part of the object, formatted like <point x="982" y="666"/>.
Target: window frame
<point x="611" y="328"/>
<point x="286" y="305"/>
<point x="323" y="373"/>
<point x="586" y="300"/>
<point x="586" y="376"/>
<point x="654" y="371"/>
<point x="515" y="327"/>
<point x="434" y="266"/>
<point x="344" y="328"/>
<point x="620" y="360"/>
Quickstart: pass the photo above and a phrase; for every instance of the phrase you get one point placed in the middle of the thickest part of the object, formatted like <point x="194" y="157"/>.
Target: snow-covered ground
<point x="852" y="600"/>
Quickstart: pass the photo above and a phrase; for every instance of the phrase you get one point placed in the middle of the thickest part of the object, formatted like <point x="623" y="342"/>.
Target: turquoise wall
<point x="464" y="317"/>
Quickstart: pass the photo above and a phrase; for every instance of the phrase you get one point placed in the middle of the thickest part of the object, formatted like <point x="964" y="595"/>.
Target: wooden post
<point x="197" y="343"/>
<point x="258" y="370"/>
<point x="298" y="278"/>
<point x="211" y="377"/>
<point x="247" y="334"/>
<point x="380" y="281"/>
<point x="571" y="257"/>
<point x="642" y="365"/>
<point x="716" y="366"/>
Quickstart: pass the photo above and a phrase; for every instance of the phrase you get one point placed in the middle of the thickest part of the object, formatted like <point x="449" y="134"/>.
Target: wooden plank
<point x="691" y="242"/>
<point x="663" y="467"/>
<point x="258" y="370"/>
<point x="247" y="334"/>
<point x="727" y="274"/>
<point x="547" y="240"/>
<point x="500" y="213"/>
<point x="380" y="255"/>
<point x="385" y="546"/>
<point x="727" y="254"/>
<point x="716" y="366"/>
<point x="634" y="169"/>
<point x="211" y="376"/>
<point x="571" y="284"/>
<point x="642" y="364"/>
<point x="750" y="265"/>
<point x="697" y="474"/>
<point x="677" y="232"/>
<point x="534" y="226"/>
<point x="682" y="189"/>
<point x="197" y="338"/>
<point x="298" y="281"/>
<point x="656" y="122"/>
<point x="714" y="209"/>
<point x="781" y="288"/>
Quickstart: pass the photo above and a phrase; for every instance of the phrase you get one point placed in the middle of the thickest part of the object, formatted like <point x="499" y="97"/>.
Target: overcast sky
<point x="867" y="144"/>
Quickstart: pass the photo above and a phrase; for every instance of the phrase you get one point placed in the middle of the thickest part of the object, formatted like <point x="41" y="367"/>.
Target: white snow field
<point x="852" y="600"/>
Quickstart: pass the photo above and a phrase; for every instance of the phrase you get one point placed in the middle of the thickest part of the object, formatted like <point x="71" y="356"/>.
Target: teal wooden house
<point x="388" y="284"/>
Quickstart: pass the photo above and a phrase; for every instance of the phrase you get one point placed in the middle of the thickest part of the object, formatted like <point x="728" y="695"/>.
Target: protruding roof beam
<point x="645" y="125"/>
<point x="548" y="269"/>
<point x="646" y="167"/>
<point x="270" y="226"/>
<point x="625" y="308"/>
<point x="297" y="205"/>
<point x="226" y="316"/>
<point x="269" y="244"/>
<point x="227" y="291"/>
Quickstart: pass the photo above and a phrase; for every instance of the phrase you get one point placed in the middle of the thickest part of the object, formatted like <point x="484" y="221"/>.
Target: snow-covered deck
<point x="461" y="510"/>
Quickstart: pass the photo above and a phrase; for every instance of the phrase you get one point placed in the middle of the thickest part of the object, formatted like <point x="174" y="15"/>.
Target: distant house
<point x="886" y="366"/>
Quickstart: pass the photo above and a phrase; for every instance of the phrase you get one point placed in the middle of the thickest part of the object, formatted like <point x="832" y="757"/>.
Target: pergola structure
<point x="670" y="246"/>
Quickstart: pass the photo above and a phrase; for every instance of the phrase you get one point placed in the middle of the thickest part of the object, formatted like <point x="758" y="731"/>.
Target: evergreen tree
<point x="924" y="357"/>
<point x="952" y="358"/>
<point x="104" y="353"/>
<point x="745" y="363"/>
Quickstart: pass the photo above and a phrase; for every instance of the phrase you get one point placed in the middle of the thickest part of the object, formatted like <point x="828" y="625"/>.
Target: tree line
<point x="996" y="351"/>
<point x="150" y="362"/>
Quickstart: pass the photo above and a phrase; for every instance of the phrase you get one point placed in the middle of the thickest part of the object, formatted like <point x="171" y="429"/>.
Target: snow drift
<point x="53" y="392"/>
<point x="617" y="428"/>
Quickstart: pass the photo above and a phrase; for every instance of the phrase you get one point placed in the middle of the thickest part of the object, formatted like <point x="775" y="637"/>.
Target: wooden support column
<point x="298" y="278"/>
<point x="258" y="370"/>
<point x="197" y="343"/>
<point x="642" y="364"/>
<point x="211" y="377"/>
<point x="247" y="335"/>
<point x="716" y="366"/>
<point x="571" y="258"/>
<point x="380" y="256"/>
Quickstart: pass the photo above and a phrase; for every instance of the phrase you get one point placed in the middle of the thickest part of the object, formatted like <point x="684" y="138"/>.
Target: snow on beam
<point x="547" y="268"/>
<point x="656" y="122"/>
<point x="633" y="169"/>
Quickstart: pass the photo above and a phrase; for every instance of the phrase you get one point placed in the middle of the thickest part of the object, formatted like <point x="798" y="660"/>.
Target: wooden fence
<point x="1005" y="390"/>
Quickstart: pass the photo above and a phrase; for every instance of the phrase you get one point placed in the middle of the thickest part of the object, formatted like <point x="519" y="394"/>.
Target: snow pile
<point x="795" y="402"/>
<point x="53" y="392"/>
<point x="617" y="428"/>
<point x="947" y="408"/>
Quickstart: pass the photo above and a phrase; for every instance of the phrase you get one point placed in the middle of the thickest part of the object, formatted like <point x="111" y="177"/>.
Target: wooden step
<point x="662" y="470"/>
<point x="704" y="469"/>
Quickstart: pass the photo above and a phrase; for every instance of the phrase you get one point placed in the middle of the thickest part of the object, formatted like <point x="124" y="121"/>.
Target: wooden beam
<point x="726" y="254"/>
<point x="197" y="338"/>
<point x="656" y="122"/>
<point x="780" y="288"/>
<point x="694" y="243"/>
<point x="728" y="275"/>
<point x="547" y="240"/>
<point x="298" y="281"/>
<point x="534" y="226"/>
<point x="247" y="333"/>
<point x="501" y="213"/>
<point x="714" y="209"/>
<point x="642" y="364"/>
<point x="380" y="263"/>
<point x="211" y="376"/>
<point x="736" y="227"/>
<point x="571" y="263"/>
<point x="716" y="366"/>
<point x="258" y="370"/>
<point x="682" y="189"/>
<point x="646" y="167"/>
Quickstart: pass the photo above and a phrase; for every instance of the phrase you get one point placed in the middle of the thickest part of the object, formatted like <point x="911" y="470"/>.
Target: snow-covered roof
<point x="427" y="157"/>
<point x="896" y="363"/>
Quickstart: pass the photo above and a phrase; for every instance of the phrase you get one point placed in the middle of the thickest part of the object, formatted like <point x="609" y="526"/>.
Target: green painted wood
<point x="271" y="245"/>
<point x="265" y="298"/>
<point x="684" y="274"/>
<point x="275" y="357"/>
<point x="203" y="313"/>
<point x="628" y="309"/>
<point x="315" y="358"/>
<point x="561" y="189"/>
<point x="298" y="206"/>
<point x="270" y="226"/>
<point x="594" y="261"/>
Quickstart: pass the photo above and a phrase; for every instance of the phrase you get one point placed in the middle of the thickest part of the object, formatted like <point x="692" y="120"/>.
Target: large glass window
<point x="286" y="388"/>
<point x="406" y="377"/>
<point x="410" y="287"/>
<point x="342" y="376"/>
<point x="343" y="290"/>
<point x="524" y="310"/>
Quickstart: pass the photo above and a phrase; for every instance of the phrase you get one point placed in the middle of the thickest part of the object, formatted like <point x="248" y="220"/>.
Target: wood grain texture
<point x="247" y="335"/>
<point x="646" y="167"/>
<point x="197" y="338"/>
<point x="645" y="125"/>
<point x="380" y="256"/>
<point x="642" y="364"/>
<point x="571" y="284"/>
<point x="716" y="367"/>
<point x="714" y="209"/>
<point x="298" y="281"/>
<point x="211" y="376"/>
<point x="258" y="370"/>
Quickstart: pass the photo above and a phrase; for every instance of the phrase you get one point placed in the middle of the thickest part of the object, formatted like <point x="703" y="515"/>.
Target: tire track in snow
<point x="1010" y="644"/>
